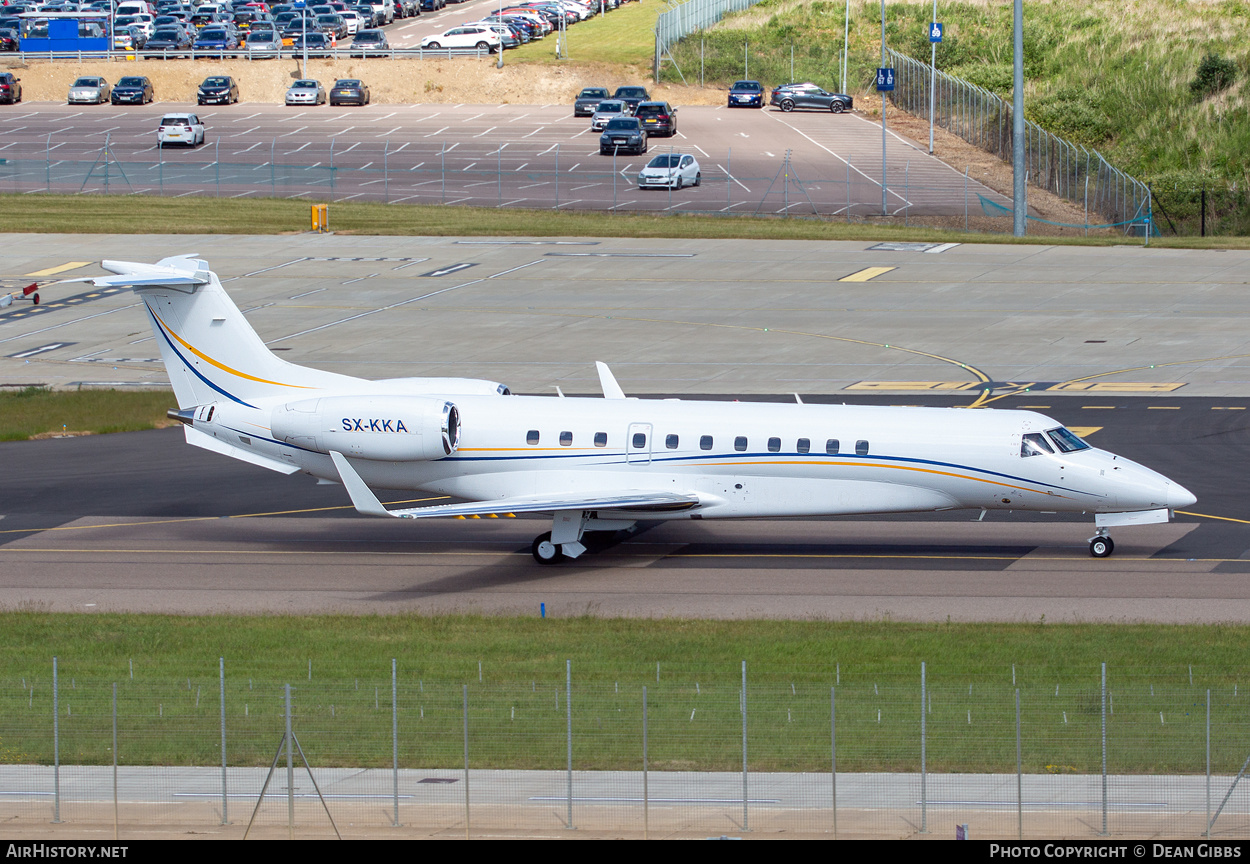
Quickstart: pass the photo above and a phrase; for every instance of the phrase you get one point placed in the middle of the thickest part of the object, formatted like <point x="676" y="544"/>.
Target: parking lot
<point x="541" y="156"/>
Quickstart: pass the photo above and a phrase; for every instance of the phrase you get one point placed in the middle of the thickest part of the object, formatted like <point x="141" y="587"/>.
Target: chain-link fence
<point x="689" y="751"/>
<point x="983" y="119"/>
<point x="680" y="20"/>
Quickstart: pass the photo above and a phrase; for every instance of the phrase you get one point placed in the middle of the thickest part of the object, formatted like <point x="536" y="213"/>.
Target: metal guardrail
<point x="244" y="54"/>
<point x="685" y="18"/>
<point x="981" y="118"/>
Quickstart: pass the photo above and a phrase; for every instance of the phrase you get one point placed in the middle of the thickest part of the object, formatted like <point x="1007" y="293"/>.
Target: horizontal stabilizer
<point x="180" y="270"/>
<point x="631" y="502"/>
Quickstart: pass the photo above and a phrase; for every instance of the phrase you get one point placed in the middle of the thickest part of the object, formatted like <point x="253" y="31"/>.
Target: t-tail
<point x="210" y="350"/>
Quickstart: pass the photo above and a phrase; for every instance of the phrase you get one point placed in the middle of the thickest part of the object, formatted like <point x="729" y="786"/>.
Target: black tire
<point x="544" y="551"/>
<point x="787" y="105"/>
<point x="1101" y="547"/>
<point x="698" y="177"/>
<point x="680" y="183"/>
<point x="479" y="46"/>
<point x="837" y="107"/>
<point x="434" y="45"/>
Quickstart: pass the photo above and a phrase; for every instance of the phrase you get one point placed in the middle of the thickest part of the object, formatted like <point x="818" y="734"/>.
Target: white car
<point x="477" y="36"/>
<point x="352" y="18"/>
<point x="608" y="109"/>
<point x="180" y="129"/>
<point x="670" y="170"/>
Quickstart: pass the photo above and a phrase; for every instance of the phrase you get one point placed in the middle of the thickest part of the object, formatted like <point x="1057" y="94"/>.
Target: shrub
<point x="1214" y="74"/>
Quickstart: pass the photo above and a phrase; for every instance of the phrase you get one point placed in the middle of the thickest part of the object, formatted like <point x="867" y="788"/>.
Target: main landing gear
<point x="568" y="531"/>
<point x="1101" y="546"/>
<point x="546" y="552"/>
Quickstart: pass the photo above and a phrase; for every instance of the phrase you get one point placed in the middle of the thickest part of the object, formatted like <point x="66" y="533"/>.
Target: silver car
<point x="607" y="110"/>
<point x="89" y="89"/>
<point x="263" y="43"/>
<point x="670" y="170"/>
<point x="306" y="92"/>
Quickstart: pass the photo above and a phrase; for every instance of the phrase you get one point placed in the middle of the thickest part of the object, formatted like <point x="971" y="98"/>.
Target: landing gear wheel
<point x="1101" y="547"/>
<point x="546" y="552"/>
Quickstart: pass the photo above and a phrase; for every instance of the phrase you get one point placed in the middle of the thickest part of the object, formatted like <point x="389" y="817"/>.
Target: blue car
<point x="746" y="94"/>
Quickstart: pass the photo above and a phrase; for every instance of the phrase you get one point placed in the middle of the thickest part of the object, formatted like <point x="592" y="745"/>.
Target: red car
<point x="10" y="88"/>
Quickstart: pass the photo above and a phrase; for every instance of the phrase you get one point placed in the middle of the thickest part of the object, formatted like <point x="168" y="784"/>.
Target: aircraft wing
<point x="619" y="501"/>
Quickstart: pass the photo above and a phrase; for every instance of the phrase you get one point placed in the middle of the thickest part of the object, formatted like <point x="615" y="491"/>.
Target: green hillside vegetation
<point x="1160" y="87"/>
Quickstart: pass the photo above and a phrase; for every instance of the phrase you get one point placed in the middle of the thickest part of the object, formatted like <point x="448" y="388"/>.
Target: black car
<point x="8" y="40"/>
<point x="623" y="135"/>
<point x="658" y="118"/>
<point x="133" y="89"/>
<point x="349" y="91"/>
<point x="218" y="89"/>
<point x="10" y="88"/>
<point x="169" y="39"/>
<point x="746" y="94"/>
<point x="369" y="43"/>
<point x="632" y="96"/>
<point x="588" y="100"/>
<point x="790" y="96"/>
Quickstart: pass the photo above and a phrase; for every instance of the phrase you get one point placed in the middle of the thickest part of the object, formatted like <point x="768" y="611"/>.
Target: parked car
<point x="746" y="94"/>
<point x="216" y="39"/>
<point x="623" y="134"/>
<point x="8" y="39"/>
<point x="90" y="89"/>
<point x="263" y="43"/>
<point x="129" y="38"/>
<point x="633" y="96"/>
<point x="352" y="17"/>
<point x="306" y="91"/>
<point x="670" y="170"/>
<point x="349" y="91"/>
<point x="134" y="90"/>
<point x="180" y="129"/>
<point x="316" y="42"/>
<point x="10" y="88"/>
<point x="333" y="24"/>
<point x="476" y="36"/>
<point x="658" y="118"/>
<point x="370" y="43"/>
<point x="169" y="39"/>
<point x="787" y="97"/>
<point x="432" y="5"/>
<point x="608" y="110"/>
<point x="218" y="89"/>
<point x="588" y="100"/>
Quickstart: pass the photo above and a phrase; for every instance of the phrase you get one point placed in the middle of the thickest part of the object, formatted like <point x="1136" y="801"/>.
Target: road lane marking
<point x="866" y="274"/>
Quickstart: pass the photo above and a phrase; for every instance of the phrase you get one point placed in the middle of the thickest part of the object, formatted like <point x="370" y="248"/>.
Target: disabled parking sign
<point x="885" y="79"/>
<point x="935" y="32"/>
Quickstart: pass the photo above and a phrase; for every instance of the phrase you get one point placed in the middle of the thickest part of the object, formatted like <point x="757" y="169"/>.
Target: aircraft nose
<point x="1178" y="496"/>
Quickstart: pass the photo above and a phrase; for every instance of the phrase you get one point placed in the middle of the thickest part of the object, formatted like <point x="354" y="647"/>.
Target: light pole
<point x="932" y="74"/>
<point x="884" y="206"/>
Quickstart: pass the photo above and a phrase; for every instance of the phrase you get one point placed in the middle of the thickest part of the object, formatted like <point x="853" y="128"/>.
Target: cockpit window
<point x="1035" y="444"/>
<point x="1066" y="441"/>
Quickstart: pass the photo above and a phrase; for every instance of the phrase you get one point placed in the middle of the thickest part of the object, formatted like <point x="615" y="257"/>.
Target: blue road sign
<point x="935" y="32"/>
<point x="885" y="79"/>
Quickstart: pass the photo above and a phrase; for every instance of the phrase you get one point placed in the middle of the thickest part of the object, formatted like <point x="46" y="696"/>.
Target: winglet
<point x="362" y="496"/>
<point x="611" y="390"/>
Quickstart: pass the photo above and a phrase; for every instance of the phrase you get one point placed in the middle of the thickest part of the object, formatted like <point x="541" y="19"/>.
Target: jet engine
<point x="383" y="428"/>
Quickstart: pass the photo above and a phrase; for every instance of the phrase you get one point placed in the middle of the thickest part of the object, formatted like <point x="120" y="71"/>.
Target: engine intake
<point x="382" y="428"/>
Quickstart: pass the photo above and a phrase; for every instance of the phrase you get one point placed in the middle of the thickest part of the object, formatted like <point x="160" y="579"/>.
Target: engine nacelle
<point x="383" y="428"/>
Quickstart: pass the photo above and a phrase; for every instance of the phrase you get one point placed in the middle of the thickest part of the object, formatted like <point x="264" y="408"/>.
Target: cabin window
<point x="1065" y="440"/>
<point x="1035" y="444"/>
<point x="774" y="444"/>
<point x="740" y="443"/>
<point x="705" y="443"/>
<point x="861" y="447"/>
<point x="804" y="445"/>
<point x="601" y="439"/>
<point x="566" y="439"/>
<point x="640" y="440"/>
<point x="831" y="446"/>
<point x="531" y="437"/>
<point x="671" y="442"/>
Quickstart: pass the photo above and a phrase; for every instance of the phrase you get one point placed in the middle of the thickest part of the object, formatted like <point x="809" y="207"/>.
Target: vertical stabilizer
<point x="210" y="350"/>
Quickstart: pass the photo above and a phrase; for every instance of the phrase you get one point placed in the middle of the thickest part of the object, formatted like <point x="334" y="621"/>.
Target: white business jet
<point x="608" y="464"/>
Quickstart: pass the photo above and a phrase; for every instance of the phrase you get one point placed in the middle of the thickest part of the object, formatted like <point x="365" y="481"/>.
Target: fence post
<point x="386" y="169"/>
<point x="729" y="184"/>
<point x="290" y="771"/>
<point x="833" y="755"/>
<point x="332" y="169"/>
<point x="47" y="162"/>
<point x="1019" y="775"/>
<point x="466" y="760"/>
<point x="745" y="824"/>
<point x="217" y="165"/>
<point x="1104" y="749"/>
<point x="568" y="713"/>
<point x="557" y="176"/>
<point x="56" y="746"/>
<point x="395" y="740"/>
<point x="1208" y="831"/>
<point x="848" y="190"/>
<point x="646" y="803"/>
<point x="114" y="760"/>
<point x="442" y="166"/>
<point x="966" y="169"/>
<point x="924" y="805"/>
<point x="221" y="682"/>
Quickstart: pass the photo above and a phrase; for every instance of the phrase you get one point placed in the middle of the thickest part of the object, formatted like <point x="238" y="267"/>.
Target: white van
<point x="135" y="7"/>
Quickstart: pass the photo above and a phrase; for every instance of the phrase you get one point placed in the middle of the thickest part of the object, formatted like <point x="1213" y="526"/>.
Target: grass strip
<point x="37" y="411"/>
<point x="90" y="214"/>
<point x="625" y="36"/>
<point x="692" y="669"/>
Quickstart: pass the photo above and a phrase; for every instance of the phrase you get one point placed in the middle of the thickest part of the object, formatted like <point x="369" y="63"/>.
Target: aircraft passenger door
<point x="638" y="444"/>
